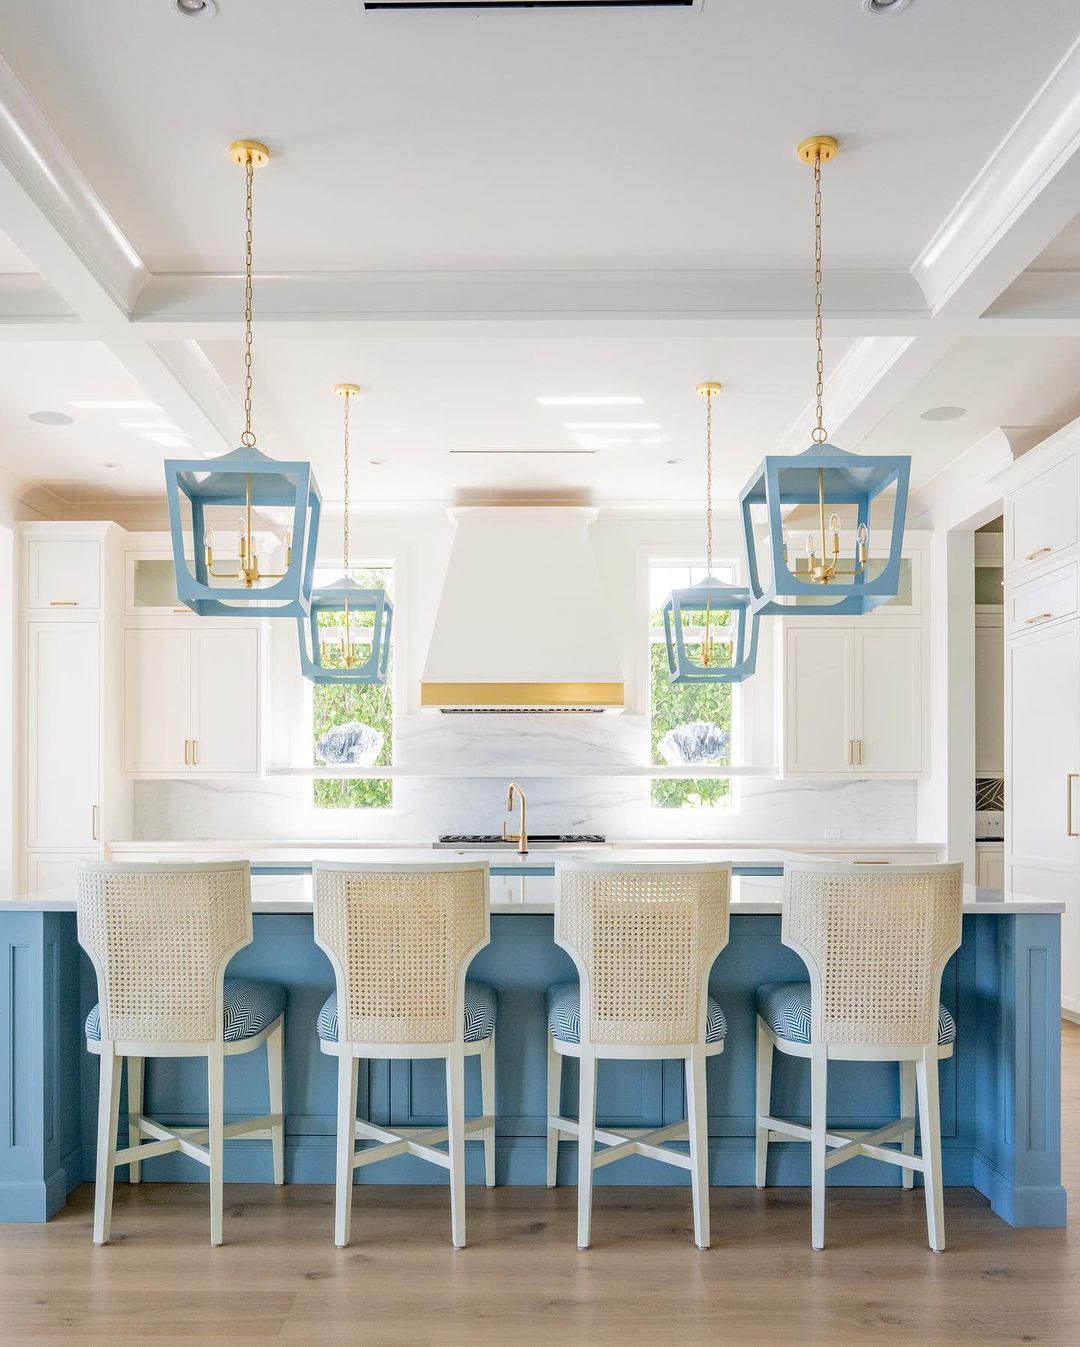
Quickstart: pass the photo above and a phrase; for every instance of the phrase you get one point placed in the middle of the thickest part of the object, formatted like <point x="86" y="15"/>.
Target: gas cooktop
<point x="535" y="840"/>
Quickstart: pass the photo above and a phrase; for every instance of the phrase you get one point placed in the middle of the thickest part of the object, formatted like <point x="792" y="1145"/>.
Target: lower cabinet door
<point x="225" y="701"/>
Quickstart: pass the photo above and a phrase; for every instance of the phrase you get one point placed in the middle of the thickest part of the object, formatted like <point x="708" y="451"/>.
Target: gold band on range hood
<point x="511" y="696"/>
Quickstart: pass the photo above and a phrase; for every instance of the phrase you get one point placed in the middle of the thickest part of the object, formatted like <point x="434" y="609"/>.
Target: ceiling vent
<point x="475" y="6"/>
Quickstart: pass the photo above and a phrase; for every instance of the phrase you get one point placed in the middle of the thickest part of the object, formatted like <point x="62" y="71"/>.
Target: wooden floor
<point x="522" y="1281"/>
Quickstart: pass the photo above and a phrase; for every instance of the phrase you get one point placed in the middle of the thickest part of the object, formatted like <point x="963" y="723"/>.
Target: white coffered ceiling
<point x="468" y="212"/>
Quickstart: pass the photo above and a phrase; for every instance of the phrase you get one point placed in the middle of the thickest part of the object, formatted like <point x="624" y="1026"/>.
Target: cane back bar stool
<point x="875" y="944"/>
<point x="644" y="939"/>
<point x="160" y="938"/>
<point x="400" y="939"/>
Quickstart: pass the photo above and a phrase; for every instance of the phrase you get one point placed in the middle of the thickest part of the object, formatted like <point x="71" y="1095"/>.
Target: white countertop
<point x="751" y="895"/>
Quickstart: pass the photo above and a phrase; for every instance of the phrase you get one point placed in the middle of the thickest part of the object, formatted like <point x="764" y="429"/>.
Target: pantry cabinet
<point x="192" y="700"/>
<point x="851" y="700"/>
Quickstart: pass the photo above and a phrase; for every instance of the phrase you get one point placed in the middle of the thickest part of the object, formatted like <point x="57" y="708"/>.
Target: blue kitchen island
<point x="1000" y="1092"/>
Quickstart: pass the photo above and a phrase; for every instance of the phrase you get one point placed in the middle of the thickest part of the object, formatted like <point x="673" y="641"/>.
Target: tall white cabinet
<point x="73" y="797"/>
<point x="1042" y="687"/>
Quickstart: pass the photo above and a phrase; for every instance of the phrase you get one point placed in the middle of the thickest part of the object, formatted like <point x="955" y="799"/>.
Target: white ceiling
<point x="631" y="173"/>
<point x="613" y="138"/>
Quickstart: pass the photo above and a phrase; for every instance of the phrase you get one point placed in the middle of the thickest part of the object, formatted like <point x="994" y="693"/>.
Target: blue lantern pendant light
<point x="823" y="580"/>
<point x="702" y="606"/>
<point x="248" y="480"/>
<point x="333" y="608"/>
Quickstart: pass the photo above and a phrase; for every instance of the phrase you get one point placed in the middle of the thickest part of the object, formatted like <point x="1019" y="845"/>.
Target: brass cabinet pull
<point x="851" y="752"/>
<point x="872" y="862"/>
<point x="194" y="752"/>
<point x="1070" y="831"/>
<point x="93" y="823"/>
<point x="1038" y="617"/>
<point x="859" y="742"/>
<point x="63" y="603"/>
<point x="1039" y="552"/>
<point x="187" y="752"/>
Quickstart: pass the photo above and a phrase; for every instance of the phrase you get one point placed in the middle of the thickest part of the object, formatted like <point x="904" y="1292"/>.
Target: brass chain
<point x="708" y="484"/>
<point x="820" y="434"/>
<point x="248" y="437"/>
<point x="345" y="521"/>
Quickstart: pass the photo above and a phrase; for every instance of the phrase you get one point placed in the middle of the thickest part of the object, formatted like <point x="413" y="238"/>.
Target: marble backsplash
<point x="763" y="809"/>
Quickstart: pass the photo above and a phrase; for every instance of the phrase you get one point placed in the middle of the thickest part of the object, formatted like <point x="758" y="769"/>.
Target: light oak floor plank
<point x="521" y="1281"/>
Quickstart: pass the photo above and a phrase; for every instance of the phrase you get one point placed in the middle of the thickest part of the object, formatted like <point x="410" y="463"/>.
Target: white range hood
<point x="522" y="624"/>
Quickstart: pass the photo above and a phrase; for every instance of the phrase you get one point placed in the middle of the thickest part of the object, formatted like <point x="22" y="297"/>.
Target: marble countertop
<point x="751" y="895"/>
<point x="313" y="846"/>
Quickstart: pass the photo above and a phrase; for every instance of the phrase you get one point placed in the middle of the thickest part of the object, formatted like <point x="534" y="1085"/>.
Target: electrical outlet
<point x="832" y="834"/>
<point x="202" y="833"/>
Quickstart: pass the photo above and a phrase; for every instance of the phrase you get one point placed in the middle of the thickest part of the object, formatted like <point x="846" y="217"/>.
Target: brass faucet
<point x="521" y="837"/>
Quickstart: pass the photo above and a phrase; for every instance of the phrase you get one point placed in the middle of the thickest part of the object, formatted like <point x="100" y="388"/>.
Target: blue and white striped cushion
<point x="250" y="1007"/>
<point x="564" y="1015"/>
<point x="480" y="1006"/>
<point x="785" y="1008"/>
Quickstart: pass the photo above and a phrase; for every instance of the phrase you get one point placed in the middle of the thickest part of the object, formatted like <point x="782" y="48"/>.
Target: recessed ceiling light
<point x="194" y="9"/>
<point x="612" y="425"/>
<point x="113" y="405"/>
<point x="598" y="401"/>
<point x="885" y="6"/>
<point x="943" y="413"/>
<point x="52" y="418"/>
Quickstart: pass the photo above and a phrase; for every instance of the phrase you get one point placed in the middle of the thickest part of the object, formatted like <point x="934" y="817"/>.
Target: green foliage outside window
<point x="674" y="704"/>
<point x="341" y="704"/>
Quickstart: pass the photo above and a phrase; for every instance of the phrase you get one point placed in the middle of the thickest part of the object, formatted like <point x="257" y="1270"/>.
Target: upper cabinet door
<point x="225" y="701"/>
<point x="888" y="701"/>
<point x="63" y="733"/>
<point x="1042" y="516"/>
<point x="819" y="735"/>
<point x="63" y="574"/>
<point x="157" y="701"/>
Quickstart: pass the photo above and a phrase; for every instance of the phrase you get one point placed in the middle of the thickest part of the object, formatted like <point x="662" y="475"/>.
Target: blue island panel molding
<point x="1000" y="1092"/>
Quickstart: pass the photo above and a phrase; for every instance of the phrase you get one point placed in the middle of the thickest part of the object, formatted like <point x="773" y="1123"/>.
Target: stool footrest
<point x="420" y="1141"/>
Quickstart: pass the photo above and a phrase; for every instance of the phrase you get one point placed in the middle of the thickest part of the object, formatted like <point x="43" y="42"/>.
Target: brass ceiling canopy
<point x="253" y="152"/>
<point x="708" y="390"/>
<point x="820" y="148"/>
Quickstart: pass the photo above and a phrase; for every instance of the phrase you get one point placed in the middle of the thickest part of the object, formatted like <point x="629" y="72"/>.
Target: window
<point x="689" y="724"/>
<point x="363" y="713"/>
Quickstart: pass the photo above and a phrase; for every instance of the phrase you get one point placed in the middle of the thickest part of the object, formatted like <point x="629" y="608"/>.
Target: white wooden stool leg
<point x="455" y="1121"/>
<point x="108" y="1118"/>
<point x="275" y="1070"/>
<point x="135" y="1108"/>
<point x="930" y="1132"/>
<point x="215" y="1075"/>
<point x="554" y="1109"/>
<point x="763" y="1104"/>
<point x="487" y="1092"/>
<point x="907" y="1110"/>
<point x="698" y="1117"/>
<point x="586" y="1146"/>
<point x="819" y="1067"/>
<point x="348" y="1077"/>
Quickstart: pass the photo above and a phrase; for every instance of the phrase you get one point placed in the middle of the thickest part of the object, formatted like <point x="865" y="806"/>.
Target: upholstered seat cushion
<point x="480" y="1006"/>
<point x="785" y="1008"/>
<point x="250" y="1007"/>
<point x="564" y="1015"/>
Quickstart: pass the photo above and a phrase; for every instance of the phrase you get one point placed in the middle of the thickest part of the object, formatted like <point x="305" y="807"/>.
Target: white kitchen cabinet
<point x="192" y="700"/>
<point x="63" y="734"/>
<point x="1042" y="516"/>
<point x="1042" y="678"/>
<point x="1049" y="597"/>
<point x="989" y="694"/>
<point x="63" y="573"/>
<point x="990" y="865"/>
<point x="852" y="700"/>
<point x="54" y="874"/>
